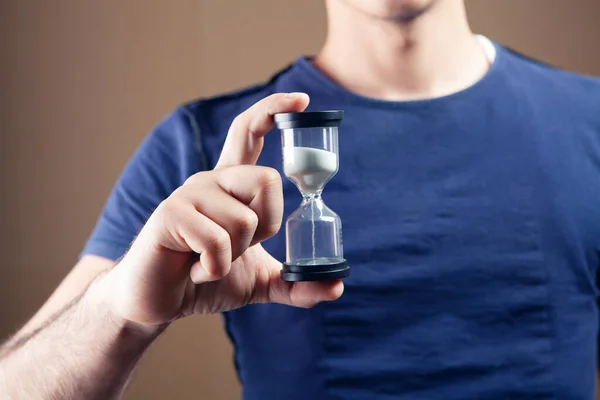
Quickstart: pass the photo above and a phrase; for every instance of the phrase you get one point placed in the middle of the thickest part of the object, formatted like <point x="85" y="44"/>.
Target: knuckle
<point x="270" y="101"/>
<point x="272" y="229"/>
<point x="269" y="178"/>
<point x="169" y="207"/>
<point x="218" y="241"/>
<point x="247" y="221"/>
<point x="237" y="123"/>
<point x="190" y="180"/>
<point x="196" y="178"/>
<point x="168" y="213"/>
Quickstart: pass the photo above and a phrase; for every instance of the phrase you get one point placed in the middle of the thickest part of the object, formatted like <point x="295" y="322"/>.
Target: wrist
<point x="99" y="299"/>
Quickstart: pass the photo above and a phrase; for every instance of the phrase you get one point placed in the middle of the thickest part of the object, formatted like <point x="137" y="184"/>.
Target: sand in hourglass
<point x="309" y="168"/>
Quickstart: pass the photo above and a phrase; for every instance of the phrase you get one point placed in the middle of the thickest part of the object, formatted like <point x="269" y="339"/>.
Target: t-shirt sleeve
<point x="165" y="159"/>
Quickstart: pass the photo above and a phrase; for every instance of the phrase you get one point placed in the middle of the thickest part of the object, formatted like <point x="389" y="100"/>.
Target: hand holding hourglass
<point x="223" y="215"/>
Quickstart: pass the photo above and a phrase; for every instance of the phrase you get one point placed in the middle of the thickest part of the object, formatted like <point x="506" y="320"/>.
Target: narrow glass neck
<point x="312" y="196"/>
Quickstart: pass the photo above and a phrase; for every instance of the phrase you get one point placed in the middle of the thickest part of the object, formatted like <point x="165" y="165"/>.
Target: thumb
<point x="297" y="294"/>
<point x="244" y="140"/>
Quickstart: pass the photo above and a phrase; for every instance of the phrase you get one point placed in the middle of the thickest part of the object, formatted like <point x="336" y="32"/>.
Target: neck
<point x="433" y="55"/>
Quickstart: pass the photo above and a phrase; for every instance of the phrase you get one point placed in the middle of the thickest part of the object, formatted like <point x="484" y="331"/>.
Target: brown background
<point x="82" y="82"/>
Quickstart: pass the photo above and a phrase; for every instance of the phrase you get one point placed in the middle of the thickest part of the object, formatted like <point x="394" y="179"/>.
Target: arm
<point x="198" y="253"/>
<point x="84" y="272"/>
<point x="83" y="352"/>
<point x="154" y="171"/>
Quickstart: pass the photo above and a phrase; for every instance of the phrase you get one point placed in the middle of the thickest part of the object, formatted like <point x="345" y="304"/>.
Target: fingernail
<point x="296" y="95"/>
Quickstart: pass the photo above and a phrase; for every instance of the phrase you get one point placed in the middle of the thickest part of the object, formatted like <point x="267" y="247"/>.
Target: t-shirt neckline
<point x="321" y="83"/>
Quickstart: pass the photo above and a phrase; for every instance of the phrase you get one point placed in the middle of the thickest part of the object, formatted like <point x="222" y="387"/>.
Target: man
<point x="468" y="189"/>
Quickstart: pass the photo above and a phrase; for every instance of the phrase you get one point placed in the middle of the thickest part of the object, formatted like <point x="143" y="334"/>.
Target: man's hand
<point x="199" y="252"/>
<point x="222" y="216"/>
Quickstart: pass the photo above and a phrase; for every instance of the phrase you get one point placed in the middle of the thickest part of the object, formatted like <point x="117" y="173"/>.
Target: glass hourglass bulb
<point x="313" y="232"/>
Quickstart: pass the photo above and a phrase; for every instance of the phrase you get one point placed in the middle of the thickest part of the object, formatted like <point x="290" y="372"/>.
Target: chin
<point x="403" y="10"/>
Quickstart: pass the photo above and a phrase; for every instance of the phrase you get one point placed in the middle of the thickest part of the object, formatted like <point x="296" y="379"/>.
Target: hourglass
<point x="313" y="232"/>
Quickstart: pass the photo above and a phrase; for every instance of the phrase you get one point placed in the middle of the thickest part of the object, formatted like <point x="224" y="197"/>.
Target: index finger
<point x="244" y="140"/>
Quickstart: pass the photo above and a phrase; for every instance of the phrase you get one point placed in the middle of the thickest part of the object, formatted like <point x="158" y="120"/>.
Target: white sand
<point x="308" y="168"/>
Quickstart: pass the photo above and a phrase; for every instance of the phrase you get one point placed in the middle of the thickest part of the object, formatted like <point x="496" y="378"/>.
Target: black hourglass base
<point x="315" y="272"/>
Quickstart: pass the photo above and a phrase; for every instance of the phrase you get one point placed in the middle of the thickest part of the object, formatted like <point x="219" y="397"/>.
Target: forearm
<point x="84" y="353"/>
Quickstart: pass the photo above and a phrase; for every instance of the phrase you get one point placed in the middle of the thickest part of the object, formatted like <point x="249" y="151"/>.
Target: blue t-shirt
<point x="471" y="223"/>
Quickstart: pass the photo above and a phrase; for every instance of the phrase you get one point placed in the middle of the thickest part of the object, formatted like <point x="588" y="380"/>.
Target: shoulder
<point x="562" y="98"/>
<point x="214" y="114"/>
<point x="550" y="79"/>
<point x="196" y="130"/>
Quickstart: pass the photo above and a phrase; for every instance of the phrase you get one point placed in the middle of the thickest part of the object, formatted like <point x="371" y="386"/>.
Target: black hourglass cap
<point x="323" y="272"/>
<point x="310" y="119"/>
